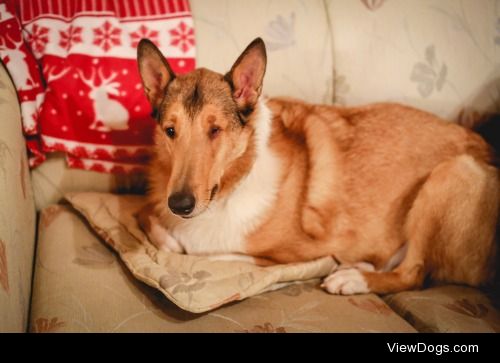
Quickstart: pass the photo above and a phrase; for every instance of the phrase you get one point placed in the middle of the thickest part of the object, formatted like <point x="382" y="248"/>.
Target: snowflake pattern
<point x="38" y="38"/>
<point x="70" y="37"/>
<point x="144" y="32"/>
<point x="182" y="37"/>
<point x="107" y="36"/>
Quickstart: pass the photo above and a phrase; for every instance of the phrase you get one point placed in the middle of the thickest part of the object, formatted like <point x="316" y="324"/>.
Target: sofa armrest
<point x="17" y="214"/>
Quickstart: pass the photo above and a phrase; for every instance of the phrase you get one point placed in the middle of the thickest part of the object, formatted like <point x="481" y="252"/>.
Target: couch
<point x="440" y="55"/>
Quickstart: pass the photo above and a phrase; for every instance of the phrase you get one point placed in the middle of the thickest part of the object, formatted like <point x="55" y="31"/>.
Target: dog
<point x="394" y="194"/>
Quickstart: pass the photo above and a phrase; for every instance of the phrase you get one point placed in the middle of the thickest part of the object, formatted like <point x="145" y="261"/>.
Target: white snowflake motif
<point x="107" y="36"/>
<point x="143" y="32"/>
<point x="70" y="37"/>
<point x="182" y="37"/>
<point x="38" y="38"/>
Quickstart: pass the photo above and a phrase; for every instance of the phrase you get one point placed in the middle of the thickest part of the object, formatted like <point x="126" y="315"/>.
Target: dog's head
<point x="204" y="140"/>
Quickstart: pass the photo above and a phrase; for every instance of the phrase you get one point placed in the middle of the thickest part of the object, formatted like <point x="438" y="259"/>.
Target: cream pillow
<point x="195" y="284"/>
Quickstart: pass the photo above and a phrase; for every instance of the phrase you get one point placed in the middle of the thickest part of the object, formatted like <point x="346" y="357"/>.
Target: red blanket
<point x="74" y="66"/>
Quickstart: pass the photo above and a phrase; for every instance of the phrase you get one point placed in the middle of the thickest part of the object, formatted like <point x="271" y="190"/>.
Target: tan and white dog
<point x="394" y="194"/>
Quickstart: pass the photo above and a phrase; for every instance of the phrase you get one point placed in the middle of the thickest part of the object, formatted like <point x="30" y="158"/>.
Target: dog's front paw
<point x="346" y="282"/>
<point x="170" y="244"/>
<point x="156" y="233"/>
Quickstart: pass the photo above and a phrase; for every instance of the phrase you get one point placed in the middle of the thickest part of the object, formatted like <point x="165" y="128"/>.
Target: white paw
<point x="345" y="282"/>
<point x="173" y="245"/>
<point x="163" y="240"/>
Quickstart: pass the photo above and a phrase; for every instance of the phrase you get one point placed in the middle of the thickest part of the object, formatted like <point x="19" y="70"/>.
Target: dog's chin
<point x="194" y="214"/>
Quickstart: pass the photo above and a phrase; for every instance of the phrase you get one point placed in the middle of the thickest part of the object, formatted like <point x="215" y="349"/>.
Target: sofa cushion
<point x="80" y="285"/>
<point x="53" y="179"/>
<point x="17" y="214"/>
<point x="447" y="309"/>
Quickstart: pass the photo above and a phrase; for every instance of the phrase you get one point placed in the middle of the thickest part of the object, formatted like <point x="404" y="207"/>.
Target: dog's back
<point x="387" y="149"/>
<point x="402" y="170"/>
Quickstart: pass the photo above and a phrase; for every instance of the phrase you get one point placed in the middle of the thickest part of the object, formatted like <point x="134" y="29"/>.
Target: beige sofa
<point x="440" y="55"/>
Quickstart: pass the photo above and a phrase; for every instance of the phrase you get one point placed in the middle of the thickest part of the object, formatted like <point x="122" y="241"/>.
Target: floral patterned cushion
<point x="447" y="309"/>
<point x="76" y="275"/>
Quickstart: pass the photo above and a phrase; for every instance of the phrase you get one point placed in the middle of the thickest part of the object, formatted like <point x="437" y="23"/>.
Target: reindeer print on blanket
<point x="110" y="114"/>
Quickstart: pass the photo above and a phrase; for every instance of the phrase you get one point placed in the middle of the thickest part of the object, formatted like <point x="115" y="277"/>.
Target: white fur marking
<point x="346" y="282"/>
<point x="162" y="239"/>
<point x="222" y="228"/>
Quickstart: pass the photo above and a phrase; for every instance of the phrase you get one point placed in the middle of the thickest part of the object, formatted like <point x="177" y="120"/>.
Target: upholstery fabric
<point x="297" y="36"/>
<point x="448" y="309"/>
<point x="17" y="214"/>
<point x="53" y="179"/>
<point x="439" y="55"/>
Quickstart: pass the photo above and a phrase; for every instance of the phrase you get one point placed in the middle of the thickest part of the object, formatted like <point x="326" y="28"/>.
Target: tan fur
<point x="356" y="183"/>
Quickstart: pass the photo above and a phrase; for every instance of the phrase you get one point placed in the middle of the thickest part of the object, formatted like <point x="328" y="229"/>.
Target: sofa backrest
<point x="439" y="55"/>
<point x="17" y="214"/>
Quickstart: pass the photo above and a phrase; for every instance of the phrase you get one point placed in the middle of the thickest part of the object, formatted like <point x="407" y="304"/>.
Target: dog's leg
<point x="450" y="231"/>
<point x="323" y="179"/>
<point x="157" y="234"/>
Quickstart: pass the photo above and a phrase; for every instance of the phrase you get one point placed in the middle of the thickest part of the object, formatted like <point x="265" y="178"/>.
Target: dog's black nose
<point x="181" y="203"/>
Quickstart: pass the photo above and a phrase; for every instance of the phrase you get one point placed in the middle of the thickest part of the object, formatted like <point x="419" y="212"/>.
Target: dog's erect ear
<point x="247" y="74"/>
<point x="155" y="72"/>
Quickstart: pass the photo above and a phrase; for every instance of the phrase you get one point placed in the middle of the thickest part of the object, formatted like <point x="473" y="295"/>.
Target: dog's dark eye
<point x="214" y="132"/>
<point x="170" y="131"/>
